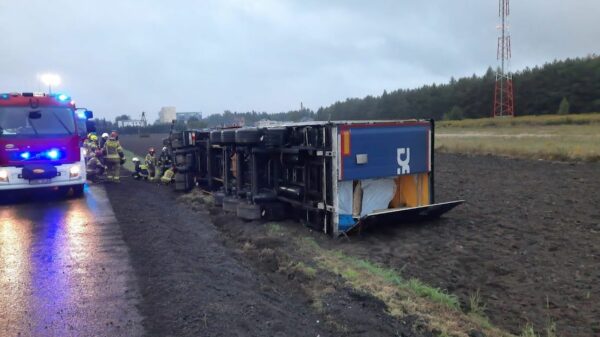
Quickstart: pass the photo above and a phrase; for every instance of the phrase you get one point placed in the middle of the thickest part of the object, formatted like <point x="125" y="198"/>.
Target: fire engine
<point x="40" y="142"/>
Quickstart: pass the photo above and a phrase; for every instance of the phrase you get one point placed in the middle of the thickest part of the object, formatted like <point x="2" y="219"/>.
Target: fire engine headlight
<point x="3" y="176"/>
<point x="74" y="171"/>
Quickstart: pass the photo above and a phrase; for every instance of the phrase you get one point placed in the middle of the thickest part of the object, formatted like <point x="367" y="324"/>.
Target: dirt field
<point x="195" y="281"/>
<point x="139" y="145"/>
<point x="528" y="240"/>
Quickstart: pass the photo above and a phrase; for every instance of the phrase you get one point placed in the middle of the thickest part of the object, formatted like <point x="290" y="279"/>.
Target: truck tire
<point x="248" y="211"/>
<point x="273" y="211"/>
<point x="264" y="197"/>
<point x="215" y="137"/>
<point x="274" y="137"/>
<point x="247" y="136"/>
<point x="230" y="204"/>
<point x="228" y="136"/>
<point x="218" y="198"/>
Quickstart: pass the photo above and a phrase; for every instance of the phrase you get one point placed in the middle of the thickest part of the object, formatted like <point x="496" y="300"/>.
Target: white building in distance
<point x="167" y="114"/>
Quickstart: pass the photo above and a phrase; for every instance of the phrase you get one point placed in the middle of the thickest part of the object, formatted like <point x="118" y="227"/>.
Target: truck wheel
<point x="248" y="211"/>
<point x="230" y="204"/>
<point x="228" y="136"/>
<point x="247" y="136"/>
<point x="274" y="137"/>
<point x="218" y="198"/>
<point x="273" y="211"/>
<point x="264" y="197"/>
<point x="215" y="137"/>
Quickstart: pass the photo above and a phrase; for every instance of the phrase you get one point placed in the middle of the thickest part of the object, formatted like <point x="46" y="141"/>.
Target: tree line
<point x="567" y="86"/>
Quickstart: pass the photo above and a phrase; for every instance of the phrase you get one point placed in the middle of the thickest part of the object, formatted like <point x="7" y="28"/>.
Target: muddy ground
<point x="528" y="240"/>
<point x="197" y="281"/>
<point x="139" y="145"/>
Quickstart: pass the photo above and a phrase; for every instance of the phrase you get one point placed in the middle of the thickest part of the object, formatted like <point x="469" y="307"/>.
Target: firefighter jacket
<point x="151" y="161"/>
<point x="113" y="150"/>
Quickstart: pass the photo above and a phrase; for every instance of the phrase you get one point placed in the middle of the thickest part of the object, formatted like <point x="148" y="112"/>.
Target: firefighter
<point x="164" y="160"/>
<point x="151" y="163"/>
<point x="141" y="170"/>
<point x="103" y="140"/>
<point x="113" y="157"/>
<point x="167" y="178"/>
<point x="94" y="168"/>
<point x="90" y="144"/>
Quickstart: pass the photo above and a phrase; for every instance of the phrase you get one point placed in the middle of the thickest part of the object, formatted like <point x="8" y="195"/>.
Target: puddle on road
<point x="64" y="269"/>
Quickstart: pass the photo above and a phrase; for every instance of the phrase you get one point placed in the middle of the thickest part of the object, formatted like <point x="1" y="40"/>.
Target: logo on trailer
<point x="403" y="158"/>
<point x="38" y="171"/>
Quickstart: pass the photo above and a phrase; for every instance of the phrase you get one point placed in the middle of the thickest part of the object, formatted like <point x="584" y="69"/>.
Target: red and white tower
<point x="504" y="104"/>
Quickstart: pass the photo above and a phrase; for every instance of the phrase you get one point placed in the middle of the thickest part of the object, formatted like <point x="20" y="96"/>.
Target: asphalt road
<point x="65" y="270"/>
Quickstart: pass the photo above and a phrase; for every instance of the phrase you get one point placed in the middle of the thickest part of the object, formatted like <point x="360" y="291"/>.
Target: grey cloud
<point x="126" y="56"/>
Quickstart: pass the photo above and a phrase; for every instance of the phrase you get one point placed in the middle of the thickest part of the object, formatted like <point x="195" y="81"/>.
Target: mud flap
<point x="403" y="215"/>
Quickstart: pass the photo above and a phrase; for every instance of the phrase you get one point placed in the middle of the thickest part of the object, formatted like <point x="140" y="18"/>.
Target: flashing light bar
<point x="63" y="97"/>
<point x="52" y="154"/>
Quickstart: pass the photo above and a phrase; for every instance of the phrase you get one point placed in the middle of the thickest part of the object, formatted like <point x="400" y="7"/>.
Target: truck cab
<point x="40" y="142"/>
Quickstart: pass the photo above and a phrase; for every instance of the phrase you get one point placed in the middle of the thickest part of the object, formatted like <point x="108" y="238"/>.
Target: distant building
<point x="167" y="114"/>
<point x="130" y="122"/>
<point x="186" y="116"/>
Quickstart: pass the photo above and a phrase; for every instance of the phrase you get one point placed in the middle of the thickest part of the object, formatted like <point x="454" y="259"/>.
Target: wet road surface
<point x="65" y="270"/>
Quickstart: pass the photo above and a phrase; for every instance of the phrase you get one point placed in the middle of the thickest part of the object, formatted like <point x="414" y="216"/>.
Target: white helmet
<point x="135" y="159"/>
<point x="164" y="149"/>
<point x="105" y="135"/>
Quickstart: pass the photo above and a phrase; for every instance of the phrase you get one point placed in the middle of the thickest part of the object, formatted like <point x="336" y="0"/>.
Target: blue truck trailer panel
<point x="385" y="150"/>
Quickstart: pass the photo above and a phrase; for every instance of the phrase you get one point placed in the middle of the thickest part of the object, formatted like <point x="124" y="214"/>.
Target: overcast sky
<point x="125" y="56"/>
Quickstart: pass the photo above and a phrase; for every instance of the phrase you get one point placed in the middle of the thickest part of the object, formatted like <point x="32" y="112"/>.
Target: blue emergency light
<point x="53" y="154"/>
<point x="25" y="155"/>
<point x="63" y="97"/>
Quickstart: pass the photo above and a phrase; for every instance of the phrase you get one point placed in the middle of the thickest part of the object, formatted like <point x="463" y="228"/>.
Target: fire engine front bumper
<point x="17" y="178"/>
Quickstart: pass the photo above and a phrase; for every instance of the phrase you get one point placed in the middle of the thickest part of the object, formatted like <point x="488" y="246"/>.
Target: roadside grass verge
<point x="533" y="137"/>
<point x="129" y="163"/>
<point x="403" y="297"/>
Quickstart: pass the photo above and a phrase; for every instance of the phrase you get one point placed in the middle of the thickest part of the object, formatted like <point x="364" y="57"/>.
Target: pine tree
<point x="563" y="108"/>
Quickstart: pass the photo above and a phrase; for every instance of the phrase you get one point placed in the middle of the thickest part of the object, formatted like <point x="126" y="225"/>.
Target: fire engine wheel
<point x="230" y="204"/>
<point x="75" y="191"/>
<point x="248" y="211"/>
<point x="218" y="198"/>
<point x="273" y="211"/>
<point x="247" y="136"/>
<point x="228" y="136"/>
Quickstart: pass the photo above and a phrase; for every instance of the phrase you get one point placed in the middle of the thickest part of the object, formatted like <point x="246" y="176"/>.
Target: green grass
<point x="564" y="138"/>
<point x="401" y="296"/>
<point x="128" y="163"/>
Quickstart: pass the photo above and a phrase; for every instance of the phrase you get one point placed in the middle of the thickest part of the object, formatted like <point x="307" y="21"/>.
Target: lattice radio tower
<point x="504" y="104"/>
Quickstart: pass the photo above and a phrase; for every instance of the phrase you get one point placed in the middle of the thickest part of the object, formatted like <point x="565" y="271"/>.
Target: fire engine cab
<point x="40" y="142"/>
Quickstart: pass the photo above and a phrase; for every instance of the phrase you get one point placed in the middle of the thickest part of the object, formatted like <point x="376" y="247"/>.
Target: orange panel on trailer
<point x="411" y="191"/>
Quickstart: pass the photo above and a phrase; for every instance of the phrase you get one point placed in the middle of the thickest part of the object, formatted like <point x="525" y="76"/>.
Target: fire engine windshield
<point x="43" y="121"/>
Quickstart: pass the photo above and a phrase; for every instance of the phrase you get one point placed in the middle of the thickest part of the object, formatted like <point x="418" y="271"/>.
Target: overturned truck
<point x="336" y="177"/>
